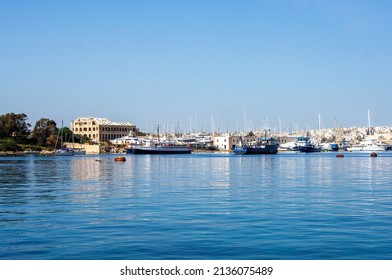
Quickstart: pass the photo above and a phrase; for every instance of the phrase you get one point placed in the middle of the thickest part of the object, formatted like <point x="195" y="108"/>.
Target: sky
<point x="198" y="64"/>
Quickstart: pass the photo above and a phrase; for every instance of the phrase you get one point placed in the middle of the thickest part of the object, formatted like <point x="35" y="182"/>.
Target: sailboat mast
<point x="62" y="125"/>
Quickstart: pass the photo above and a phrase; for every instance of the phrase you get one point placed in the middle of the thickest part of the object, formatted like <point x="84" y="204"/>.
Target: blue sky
<point x="182" y="64"/>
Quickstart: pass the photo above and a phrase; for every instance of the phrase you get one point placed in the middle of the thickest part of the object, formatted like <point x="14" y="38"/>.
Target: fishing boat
<point x="304" y="145"/>
<point x="240" y="149"/>
<point x="262" y="145"/>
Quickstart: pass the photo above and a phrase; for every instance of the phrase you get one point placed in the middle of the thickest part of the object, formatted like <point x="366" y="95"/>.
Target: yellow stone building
<point x="101" y="129"/>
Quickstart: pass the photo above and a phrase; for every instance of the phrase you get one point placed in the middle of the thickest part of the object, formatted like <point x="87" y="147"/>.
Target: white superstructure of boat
<point x="370" y="145"/>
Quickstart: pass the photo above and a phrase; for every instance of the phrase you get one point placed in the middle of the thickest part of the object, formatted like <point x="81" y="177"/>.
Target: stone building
<point x="101" y="129"/>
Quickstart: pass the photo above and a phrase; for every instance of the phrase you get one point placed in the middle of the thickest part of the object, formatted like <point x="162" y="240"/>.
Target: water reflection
<point x="201" y="206"/>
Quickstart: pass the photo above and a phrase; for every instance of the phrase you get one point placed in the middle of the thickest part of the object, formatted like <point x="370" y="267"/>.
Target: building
<point x="101" y="129"/>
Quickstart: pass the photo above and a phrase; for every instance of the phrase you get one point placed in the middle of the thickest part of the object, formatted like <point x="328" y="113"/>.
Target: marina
<point x="197" y="206"/>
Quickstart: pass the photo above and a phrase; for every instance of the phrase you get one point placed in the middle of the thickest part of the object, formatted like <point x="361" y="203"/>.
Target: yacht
<point x="370" y="145"/>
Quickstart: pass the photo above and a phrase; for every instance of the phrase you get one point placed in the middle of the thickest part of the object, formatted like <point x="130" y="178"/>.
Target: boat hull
<point x="64" y="152"/>
<point x="240" y="150"/>
<point x="158" y="150"/>
<point x="309" y="149"/>
<point x="257" y="150"/>
<point x="366" y="149"/>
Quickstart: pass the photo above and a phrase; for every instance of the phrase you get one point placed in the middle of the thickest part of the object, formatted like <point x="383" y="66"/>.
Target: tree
<point x="9" y="144"/>
<point x="45" y="132"/>
<point x="14" y="126"/>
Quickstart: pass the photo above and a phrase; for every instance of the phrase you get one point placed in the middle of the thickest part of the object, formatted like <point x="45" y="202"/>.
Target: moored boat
<point x="152" y="147"/>
<point x="64" y="152"/>
<point x="304" y="145"/>
<point x="330" y="147"/>
<point x="158" y="150"/>
<point x="263" y="145"/>
<point x="240" y="149"/>
<point x="367" y="145"/>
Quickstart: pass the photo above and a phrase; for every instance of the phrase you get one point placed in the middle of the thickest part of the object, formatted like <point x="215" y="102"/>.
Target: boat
<point x="30" y="152"/>
<point x="78" y="152"/>
<point x="367" y="145"/>
<point x="240" y="149"/>
<point x="304" y="145"/>
<point x="328" y="147"/>
<point x="152" y="147"/>
<point x="262" y="145"/>
<point x="62" y="151"/>
<point x="158" y="148"/>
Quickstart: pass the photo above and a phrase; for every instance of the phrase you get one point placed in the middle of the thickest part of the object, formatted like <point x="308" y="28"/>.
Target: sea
<point x="202" y="206"/>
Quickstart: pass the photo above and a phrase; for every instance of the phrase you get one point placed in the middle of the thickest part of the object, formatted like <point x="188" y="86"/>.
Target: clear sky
<point x="192" y="63"/>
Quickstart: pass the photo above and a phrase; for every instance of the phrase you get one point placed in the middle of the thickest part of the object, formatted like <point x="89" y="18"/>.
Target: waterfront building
<point x="101" y="129"/>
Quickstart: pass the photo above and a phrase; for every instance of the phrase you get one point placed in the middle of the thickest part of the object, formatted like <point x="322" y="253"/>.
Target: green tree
<point x="14" y="126"/>
<point x="45" y="132"/>
<point x="9" y="144"/>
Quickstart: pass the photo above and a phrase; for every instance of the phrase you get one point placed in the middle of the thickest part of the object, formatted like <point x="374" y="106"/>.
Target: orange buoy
<point x="373" y="154"/>
<point x="119" y="159"/>
<point x="339" y="155"/>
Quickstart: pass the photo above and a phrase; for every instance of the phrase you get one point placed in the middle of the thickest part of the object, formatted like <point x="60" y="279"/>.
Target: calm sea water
<point x="199" y="206"/>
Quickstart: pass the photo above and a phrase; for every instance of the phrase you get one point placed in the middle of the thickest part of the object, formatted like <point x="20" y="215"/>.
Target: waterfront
<point x="199" y="206"/>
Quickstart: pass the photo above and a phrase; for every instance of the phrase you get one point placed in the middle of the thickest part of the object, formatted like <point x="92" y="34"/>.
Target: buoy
<point x="339" y="155"/>
<point x="373" y="154"/>
<point x="119" y="159"/>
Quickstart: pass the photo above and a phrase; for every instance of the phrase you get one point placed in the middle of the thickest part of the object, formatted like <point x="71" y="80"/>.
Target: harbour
<point x="197" y="206"/>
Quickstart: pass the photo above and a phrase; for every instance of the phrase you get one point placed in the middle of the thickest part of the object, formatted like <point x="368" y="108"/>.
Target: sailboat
<point x="63" y="151"/>
<point x="80" y="151"/>
<point x="368" y="144"/>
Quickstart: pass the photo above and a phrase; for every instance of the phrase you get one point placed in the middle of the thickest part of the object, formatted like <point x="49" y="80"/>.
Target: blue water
<point x="198" y="206"/>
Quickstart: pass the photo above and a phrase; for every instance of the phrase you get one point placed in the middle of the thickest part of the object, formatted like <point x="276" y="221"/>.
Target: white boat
<point x="30" y="152"/>
<point x="79" y="152"/>
<point x="63" y="151"/>
<point x="329" y="147"/>
<point x="289" y="146"/>
<point x="367" y="145"/>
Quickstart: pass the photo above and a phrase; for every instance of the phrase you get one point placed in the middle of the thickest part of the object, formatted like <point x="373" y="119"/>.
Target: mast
<point x="319" y="122"/>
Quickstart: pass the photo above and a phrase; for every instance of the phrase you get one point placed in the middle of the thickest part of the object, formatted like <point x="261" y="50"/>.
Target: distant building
<point x="101" y="129"/>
